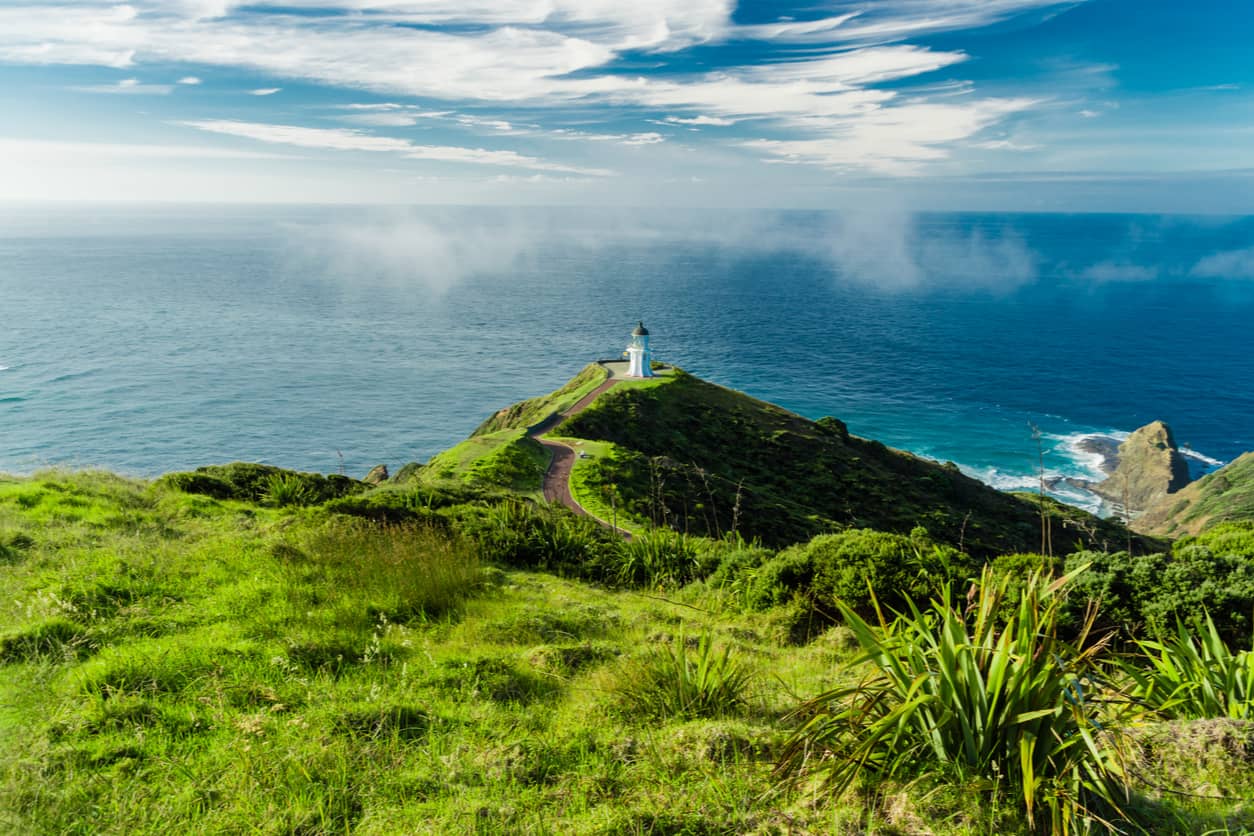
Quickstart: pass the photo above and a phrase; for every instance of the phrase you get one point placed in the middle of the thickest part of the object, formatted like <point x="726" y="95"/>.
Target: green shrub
<point x="516" y="533"/>
<point x="676" y="682"/>
<point x="845" y="566"/>
<point x="735" y="563"/>
<point x="901" y="569"/>
<point x="253" y="482"/>
<point x="775" y="582"/>
<point x="392" y="506"/>
<point x="1194" y="678"/>
<point x="1235" y="538"/>
<point x="1017" y="569"/>
<point x="954" y="694"/>
<point x="1148" y="594"/>
<point x="198" y="483"/>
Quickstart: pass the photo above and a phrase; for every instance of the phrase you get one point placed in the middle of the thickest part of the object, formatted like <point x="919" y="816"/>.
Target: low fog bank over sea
<point x="146" y="339"/>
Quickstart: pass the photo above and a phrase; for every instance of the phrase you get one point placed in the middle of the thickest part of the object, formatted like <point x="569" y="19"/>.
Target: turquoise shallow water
<point x="151" y="339"/>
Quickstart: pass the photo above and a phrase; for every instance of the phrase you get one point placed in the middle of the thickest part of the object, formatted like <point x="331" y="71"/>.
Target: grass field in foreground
<point x="171" y="662"/>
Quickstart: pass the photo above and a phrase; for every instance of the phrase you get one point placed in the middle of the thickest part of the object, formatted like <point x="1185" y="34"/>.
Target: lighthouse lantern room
<point x="640" y="359"/>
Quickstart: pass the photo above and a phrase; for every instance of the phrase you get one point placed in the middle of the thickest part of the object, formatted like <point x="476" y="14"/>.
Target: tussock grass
<point x="367" y="572"/>
<point x="674" y="681"/>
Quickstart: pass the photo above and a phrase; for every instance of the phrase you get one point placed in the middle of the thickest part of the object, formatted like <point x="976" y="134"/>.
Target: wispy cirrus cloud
<point x="817" y="97"/>
<point x="700" y="121"/>
<point x="128" y="86"/>
<point x="348" y="139"/>
<point x="892" y="141"/>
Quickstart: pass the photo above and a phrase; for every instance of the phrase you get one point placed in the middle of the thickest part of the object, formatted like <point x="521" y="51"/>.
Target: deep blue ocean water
<point x="149" y="339"/>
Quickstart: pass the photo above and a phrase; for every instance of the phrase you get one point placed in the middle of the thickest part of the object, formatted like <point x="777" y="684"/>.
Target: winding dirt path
<point x="557" y="477"/>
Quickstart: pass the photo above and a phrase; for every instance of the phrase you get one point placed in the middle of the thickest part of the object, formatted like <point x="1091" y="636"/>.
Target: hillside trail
<point x="557" y="477"/>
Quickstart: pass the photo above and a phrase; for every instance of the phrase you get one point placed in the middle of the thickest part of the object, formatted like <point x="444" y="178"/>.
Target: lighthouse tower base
<point x="639" y="362"/>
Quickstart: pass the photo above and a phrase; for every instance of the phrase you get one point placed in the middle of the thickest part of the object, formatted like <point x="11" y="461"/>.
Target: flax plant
<point x="679" y="682"/>
<point x="1194" y="678"/>
<point x="962" y="691"/>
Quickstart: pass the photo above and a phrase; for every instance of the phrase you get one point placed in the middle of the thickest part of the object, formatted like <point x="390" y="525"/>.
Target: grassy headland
<point x="250" y="649"/>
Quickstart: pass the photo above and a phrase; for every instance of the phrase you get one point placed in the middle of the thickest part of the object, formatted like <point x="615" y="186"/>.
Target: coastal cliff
<point x="1227" y="495"/>
<point x="1148" y="467"/>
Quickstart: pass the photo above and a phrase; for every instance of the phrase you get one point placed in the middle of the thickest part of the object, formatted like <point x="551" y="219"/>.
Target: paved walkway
<point x="557" y="477"/>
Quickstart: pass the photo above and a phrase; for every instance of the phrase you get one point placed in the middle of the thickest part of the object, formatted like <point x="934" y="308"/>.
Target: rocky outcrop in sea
<point x="1142" y="470"/>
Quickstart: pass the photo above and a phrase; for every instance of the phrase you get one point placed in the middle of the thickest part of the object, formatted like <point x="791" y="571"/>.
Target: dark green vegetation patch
<point x="707" y="460"/>
<point x="250" y="482"/>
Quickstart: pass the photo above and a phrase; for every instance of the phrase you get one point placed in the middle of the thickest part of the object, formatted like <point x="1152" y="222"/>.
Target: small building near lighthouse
<point x="640" y="359"/>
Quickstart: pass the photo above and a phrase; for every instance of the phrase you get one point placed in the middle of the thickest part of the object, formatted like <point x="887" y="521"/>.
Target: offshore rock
<point x="1149" y="468"/>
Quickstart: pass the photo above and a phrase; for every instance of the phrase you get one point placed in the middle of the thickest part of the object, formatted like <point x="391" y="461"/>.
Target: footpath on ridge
<point x="557" y="477"/>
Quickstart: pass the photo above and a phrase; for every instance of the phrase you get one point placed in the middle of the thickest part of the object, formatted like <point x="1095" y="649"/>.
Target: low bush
<point x="778" y="580"/>
<point x="253" y="482"/>
<point x="845" y="566"/>
<point x="955" y="694"/>
<point x="1147" y="594"/>
<point x="519" y="534"/>
<point x="393" y="506"/>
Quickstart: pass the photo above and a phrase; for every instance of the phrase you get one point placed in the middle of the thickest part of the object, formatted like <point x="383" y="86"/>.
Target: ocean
<point x="145" y="339"/>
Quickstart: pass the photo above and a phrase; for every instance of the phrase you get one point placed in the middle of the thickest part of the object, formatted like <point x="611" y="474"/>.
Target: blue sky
<point x="1104" y="105"/>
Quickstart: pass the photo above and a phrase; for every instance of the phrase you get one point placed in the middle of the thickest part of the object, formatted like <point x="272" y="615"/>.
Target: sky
<point x="1020" y="105"/>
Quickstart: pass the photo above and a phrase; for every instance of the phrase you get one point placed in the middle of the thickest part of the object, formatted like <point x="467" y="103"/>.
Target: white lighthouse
<point x="638" y="354"/>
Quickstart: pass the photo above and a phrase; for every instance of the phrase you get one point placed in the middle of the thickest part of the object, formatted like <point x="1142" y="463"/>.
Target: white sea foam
<point x="1201" y="457"/>
<point x="1086" y="464"/>
<point x="1031" y="482"/>
<point x="3" y="368"/>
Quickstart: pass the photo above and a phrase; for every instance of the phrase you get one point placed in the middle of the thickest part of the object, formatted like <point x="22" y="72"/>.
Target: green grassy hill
<point x="704" y="459"/>
<point x="504" y="459"/>
<point x="1227" y="495"/>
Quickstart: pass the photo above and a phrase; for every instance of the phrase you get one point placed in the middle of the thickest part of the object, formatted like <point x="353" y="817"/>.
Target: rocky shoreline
<point x="1140" y="470"/>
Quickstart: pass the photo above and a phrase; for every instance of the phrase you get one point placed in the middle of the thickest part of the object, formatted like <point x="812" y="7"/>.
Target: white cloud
<point x="1004" y="145"/>
<point x="1232" y="264"/>
<point x="264" y="91"/>
<point x="348" y="139"/>
<point x="700" y="120"/>
<point x="381" y="119"/>
<point x="648" y="138"/>
<point x="817" y="105"/>
<point x="857" y="21"/>
<point x="189" y="79"/>
<point x="128" y="86"/>
<point x="892" y="140"/>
